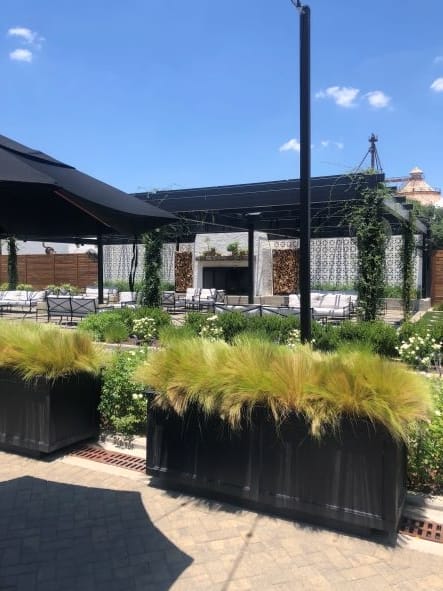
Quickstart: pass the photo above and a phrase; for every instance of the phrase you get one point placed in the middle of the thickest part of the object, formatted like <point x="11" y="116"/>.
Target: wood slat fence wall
<point x="437" y="277"/>
<point x="41" y="270"/>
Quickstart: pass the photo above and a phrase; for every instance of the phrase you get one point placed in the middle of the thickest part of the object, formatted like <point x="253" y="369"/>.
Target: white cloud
<point x="327" y="143"/>
<point x="437" y="85"/>
<point x="378" y="99"/>
<point x="343" y="96"/>
<point x="26" y="36"/>
<point x="438" y="59"/>
<point x="292" y="145"/>
<point x="21" y="55"/>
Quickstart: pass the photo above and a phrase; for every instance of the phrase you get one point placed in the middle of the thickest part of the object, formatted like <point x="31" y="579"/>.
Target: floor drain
<point x="419" y="528"/>
<point x="111" y="458"/>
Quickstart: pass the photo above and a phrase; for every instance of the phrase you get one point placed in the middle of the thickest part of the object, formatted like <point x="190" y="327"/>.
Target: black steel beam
<point x="305" y="175"/>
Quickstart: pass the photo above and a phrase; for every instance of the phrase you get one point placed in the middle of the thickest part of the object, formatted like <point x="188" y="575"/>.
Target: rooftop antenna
<point x="373" y="152"/>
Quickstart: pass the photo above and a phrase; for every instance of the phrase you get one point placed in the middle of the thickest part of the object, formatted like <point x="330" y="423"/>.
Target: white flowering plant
<point x="145" y="329"/>
<point x="293" y="339"/>
<point x="422" y="352"/>
<point x="122" y="405"/>
<point x="211" y="329"/>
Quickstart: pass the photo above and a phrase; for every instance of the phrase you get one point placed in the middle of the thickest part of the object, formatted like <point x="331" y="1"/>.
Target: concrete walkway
<point x="71" y="524"/>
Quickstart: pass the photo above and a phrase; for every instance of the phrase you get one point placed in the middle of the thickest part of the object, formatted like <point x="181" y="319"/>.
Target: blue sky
<point x="151" y="94"/>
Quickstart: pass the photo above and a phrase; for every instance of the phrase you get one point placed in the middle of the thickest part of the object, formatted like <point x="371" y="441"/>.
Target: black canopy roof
<point x="274" y="207"/>
<point x="43" y="198"/>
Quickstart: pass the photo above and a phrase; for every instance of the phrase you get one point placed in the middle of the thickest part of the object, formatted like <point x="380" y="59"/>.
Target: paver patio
<point x="74" y="524"/>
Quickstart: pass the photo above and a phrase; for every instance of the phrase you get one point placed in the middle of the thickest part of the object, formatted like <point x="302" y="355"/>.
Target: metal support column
<point x="251" y="273"/>
<point x="305" y="174"/>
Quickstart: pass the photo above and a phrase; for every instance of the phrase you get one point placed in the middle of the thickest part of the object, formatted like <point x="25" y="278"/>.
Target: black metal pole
<point x="251" y="263"/>
<point x="100" y="269"/>
<point x="305" y="174"/>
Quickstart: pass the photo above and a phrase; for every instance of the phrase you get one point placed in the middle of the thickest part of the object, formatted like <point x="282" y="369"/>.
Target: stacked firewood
<point x="285" y="271"/>
<point x="183" y="271"/>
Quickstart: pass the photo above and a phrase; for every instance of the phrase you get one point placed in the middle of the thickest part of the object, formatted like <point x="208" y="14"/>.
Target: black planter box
<point x="43" y="416"/>
<point x="353" y="480"/>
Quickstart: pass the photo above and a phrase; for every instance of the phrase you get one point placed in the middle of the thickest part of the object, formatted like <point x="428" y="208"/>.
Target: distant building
<point x="418" y="189"/>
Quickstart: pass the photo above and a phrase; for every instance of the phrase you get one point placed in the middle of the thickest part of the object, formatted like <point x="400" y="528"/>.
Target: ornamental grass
<point x="230" y="380"/>
<point x="42" y="350"/>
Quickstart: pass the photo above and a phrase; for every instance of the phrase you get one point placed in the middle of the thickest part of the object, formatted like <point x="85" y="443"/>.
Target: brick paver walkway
<point x="65" y="526"/>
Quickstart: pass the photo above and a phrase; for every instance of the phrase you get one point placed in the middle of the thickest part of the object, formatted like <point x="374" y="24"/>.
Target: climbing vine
<point x="365" y="217"/>
<point x="152" y="247"/>
<point x="12" y="263"/>
<point x="408" y="264"/>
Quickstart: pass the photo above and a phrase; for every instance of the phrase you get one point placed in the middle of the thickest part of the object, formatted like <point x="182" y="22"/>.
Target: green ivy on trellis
<point x="408" y="283"/>
<point x="12" y="263"/>
<point x="152" y="244"/>
<point x="365" y="217"/>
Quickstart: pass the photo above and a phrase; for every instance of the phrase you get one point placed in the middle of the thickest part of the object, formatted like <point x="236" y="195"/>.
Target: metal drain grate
<point x="110" y="457"/>
<point x="428" y="530"/>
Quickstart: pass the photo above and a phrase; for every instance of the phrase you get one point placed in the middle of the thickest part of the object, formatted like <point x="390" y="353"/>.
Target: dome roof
<point x="417" y="188"/>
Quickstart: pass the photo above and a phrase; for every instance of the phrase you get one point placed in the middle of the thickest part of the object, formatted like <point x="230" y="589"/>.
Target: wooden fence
<point x="41" y="270"/>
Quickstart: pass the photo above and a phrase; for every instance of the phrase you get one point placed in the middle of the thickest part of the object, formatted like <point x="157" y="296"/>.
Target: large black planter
<point x="353" y="480"/>
<point x="43" y="416"/>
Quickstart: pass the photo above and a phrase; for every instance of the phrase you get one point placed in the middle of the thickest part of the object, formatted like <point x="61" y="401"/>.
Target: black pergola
<point x="274" y="208"/>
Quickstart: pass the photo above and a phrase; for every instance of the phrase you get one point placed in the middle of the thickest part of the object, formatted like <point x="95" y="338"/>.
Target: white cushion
<point x="294" y="300"/>
<point x="329" y="300"/>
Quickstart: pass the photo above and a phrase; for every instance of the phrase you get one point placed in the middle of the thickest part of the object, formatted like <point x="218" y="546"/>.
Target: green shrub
<point x="122" y="405"/>
<point x="145" y="329"/>
<point x="97" y="324"/>
<point x="325" y="338"/>
<point x="195" y="321"/>
<point x="382" y="338"/>
<point x="274" y="328"/>
<point x="122" y="285"/>
<point x="420" y="352"/>
<point x="167" y="286"/>
<point x="211" y="328"/>
<point x="161" y="317"/>
<point x="115" y="332"/>
<point x="233" y="324"/>
<point x="63" y="289"/>
<point x="24" y="286"/>
<point x="170" y="334"/>
<point x="333" y="287"/>
<point x="425" y="460"/>
<point x="421" y="328"/>
<point x="392" y="291"/>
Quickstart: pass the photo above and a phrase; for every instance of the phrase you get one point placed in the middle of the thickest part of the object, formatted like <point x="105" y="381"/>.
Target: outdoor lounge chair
<point x="92" y="292"/>
<point x="70" y="307"/>
<point x="207" y="299"/>
<point x="127" y="299"/>
<point x="22" y="301"/>
<point x="168" y="300"/>
<point x="192" y="298"/>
